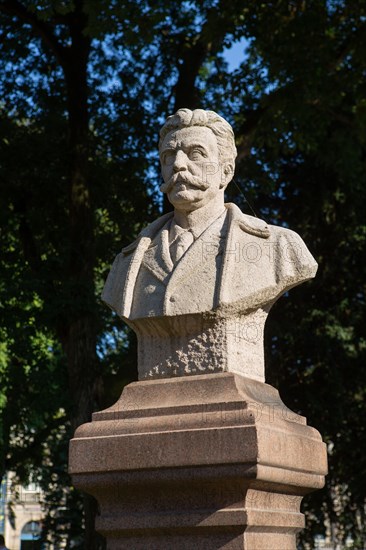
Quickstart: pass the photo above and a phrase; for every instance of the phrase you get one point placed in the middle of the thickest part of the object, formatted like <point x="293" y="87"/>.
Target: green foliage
<point x="297" y="102"/>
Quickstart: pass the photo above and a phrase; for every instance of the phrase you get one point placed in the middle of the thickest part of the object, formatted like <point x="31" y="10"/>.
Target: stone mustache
<point x="198" y="283"/>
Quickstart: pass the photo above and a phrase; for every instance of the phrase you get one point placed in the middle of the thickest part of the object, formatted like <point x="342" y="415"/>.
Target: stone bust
<point x="198" y="283"/>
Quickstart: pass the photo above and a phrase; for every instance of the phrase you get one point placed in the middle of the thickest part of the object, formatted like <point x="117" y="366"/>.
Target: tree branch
<point x="347" y="46"/>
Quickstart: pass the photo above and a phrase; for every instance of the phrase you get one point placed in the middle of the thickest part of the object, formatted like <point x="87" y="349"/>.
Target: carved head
<point x="197" y="155"/>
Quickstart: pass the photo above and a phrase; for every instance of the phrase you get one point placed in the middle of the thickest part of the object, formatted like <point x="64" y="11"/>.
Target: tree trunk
<point x="80" y="332"/>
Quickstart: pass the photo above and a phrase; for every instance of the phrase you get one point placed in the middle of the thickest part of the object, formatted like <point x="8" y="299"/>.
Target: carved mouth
<point x="182" y="184"/>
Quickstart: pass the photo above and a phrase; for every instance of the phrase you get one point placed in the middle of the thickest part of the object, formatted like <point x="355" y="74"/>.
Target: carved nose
<point x="180" y="162"/>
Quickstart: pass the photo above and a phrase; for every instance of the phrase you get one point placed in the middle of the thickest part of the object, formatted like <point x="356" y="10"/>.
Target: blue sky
<point x="235" y="55"/>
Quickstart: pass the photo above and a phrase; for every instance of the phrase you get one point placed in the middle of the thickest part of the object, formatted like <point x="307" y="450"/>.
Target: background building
<point x="20" y="515"/>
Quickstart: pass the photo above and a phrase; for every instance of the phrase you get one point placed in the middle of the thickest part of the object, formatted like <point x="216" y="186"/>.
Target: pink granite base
<point x="201" y="462"/>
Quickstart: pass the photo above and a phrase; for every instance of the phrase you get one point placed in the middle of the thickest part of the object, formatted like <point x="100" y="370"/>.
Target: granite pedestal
<point x="200" y="462"/>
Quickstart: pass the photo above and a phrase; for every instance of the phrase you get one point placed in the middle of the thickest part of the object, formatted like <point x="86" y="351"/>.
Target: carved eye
<point x="196" y="154"/>
<point x="168" y="157"/>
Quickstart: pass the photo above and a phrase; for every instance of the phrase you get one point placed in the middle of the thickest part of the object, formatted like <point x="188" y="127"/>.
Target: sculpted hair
<point x="209" y="119"/>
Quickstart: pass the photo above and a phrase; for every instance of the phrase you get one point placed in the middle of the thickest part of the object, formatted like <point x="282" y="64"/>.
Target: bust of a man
<point x="198" y="283"/>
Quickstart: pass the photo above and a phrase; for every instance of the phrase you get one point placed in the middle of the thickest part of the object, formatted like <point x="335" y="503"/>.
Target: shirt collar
<point x="175" y="230"/>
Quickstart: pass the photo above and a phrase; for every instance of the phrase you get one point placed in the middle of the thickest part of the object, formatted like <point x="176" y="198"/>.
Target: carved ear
<point x="227" y="173"/>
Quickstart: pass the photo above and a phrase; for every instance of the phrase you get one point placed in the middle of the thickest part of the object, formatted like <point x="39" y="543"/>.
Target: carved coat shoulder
<point x="262" y="261"/>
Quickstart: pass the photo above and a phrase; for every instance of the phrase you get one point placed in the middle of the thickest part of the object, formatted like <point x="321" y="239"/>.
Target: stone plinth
<point x="201" y="344"/>
<point x="204" y="462"/>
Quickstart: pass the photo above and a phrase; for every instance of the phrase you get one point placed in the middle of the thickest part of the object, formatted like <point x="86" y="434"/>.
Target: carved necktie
<point x="180" y="245"/>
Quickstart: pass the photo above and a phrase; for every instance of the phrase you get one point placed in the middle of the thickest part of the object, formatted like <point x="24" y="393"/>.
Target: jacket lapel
<point x="157" y="257"/>
<point x="230" y="244"/>
<point x="119" y="289"/>
<point x="243" y="230"/>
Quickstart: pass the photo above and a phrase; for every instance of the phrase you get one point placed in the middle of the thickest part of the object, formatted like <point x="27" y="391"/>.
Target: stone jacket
<point x="236" y="266"/>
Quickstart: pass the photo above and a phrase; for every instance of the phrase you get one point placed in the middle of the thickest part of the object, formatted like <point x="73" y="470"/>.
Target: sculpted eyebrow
<point x="197" y="146"/>
<point x="174" y="147"/>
